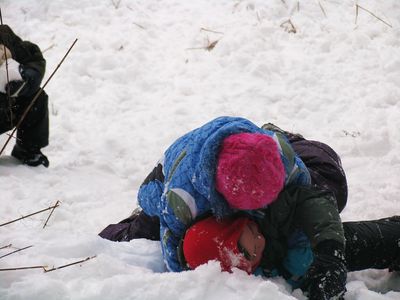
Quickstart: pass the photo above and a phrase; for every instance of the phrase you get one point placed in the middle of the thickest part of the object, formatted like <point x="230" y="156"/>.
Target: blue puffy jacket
<point x="182" y="188"/>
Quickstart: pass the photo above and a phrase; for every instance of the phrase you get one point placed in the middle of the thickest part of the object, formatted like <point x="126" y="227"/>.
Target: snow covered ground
<point x="143" y="73"/>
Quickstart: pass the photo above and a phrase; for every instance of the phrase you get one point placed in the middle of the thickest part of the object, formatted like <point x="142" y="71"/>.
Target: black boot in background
<point x="31" y="157"/>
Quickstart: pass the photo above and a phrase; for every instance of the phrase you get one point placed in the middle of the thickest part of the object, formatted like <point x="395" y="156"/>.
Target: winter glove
<point x="326" y="278"/>
<point x="32" y="77"/>
<point x="14" y="75"/>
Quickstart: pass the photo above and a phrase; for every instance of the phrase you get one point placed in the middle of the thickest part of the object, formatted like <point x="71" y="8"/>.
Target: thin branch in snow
<point x="67" y="265"/>
<point x="6" y="246"/>
<point x="210" y="46"/>
<point x="54" y="207"/>
<point x="138" y="25"/>
<point x="372" y="14"/>
<point x="288" y="26"/>
<point x="48" y="48"/>
<point x="23" y="268"/>
<point x="209" y="30"/>
<point x="116" y="3"/>
<point x="15" y="251"/>
<point x="323" y="10"/>
<point x="35" y="98"/>
<point x="35" y="213"/>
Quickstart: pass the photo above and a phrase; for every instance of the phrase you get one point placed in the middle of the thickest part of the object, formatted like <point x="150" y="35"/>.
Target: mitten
<point x="13" y="74"/>
<point x="32" y="77"/>
<point x="326" y="277"/>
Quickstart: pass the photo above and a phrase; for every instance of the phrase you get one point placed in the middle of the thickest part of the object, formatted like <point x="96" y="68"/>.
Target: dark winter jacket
<point x="299" y="220"/>
<point x="33" y="65"/>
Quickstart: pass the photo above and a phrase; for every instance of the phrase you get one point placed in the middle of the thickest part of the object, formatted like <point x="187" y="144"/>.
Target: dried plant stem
<point x="71" y="264"/>
<point x="35" y="213"/>
<point x="35" y="98"/>
<point x="323" y="10"/>
<point x="54" y="207"/>
<point x="24" y="268"/>
<point x="15" y="251"/>
<point x="209" y="30"/>
<point x="371" y="13"/>
<point x="6" y="246"/>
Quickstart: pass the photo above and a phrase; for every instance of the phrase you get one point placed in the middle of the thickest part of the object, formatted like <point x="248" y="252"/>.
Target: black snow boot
<point x="31" y="157"/>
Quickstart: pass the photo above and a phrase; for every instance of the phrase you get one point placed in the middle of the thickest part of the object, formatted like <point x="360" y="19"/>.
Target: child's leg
<point x="137" y="226"/>
<point x="373" y="244"/>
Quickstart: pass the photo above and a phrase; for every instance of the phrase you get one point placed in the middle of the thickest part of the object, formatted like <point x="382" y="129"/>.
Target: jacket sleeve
<point x="317" y="215"/>
<point x="151" y="190"/>
<point x="28" y="55"/>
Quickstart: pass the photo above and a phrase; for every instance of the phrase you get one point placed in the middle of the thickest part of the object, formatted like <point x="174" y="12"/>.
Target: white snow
<point x="140" y="76"/>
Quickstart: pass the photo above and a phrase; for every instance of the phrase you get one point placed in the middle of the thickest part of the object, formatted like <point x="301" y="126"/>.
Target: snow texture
<point x="145" y="72"/>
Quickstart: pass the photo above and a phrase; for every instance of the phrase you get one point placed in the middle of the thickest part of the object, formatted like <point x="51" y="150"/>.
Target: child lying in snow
<point x="294" y="186"/>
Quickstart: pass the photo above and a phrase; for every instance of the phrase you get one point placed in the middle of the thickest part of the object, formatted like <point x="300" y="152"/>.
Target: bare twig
<point x="35" y="213"/>
<point x="138" y="25"/>
<point x="54" y="207"/>
<point x="209" y="30"/>
<point x="355" y="22"/>
<point x="71" y="264"/>
<point x="116" y="3"/>
<point x="51" y="212"/>
<point x="323" y="10"/>
<point x="24" y="268"/>
<point x="15" y="251"/>
<point x="372" y="14"/>
<point x="210" y="46"/>
<point x="36" y="96"/>
<point x="6" y="246"/>
<point x="48" y="48"/>
<point x="288" y="26"/>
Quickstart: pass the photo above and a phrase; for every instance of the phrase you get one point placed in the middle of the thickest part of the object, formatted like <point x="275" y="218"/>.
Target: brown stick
<point x="71" y="264"/>
<point x="54" y="207"/>
<point x="7" y="246"/>
<point x="15" y="251"/>
<point x="23" y="268"/>
<point x="36" y="96"/>
<point x="323" y="10"/>
<point x="35" y="213"/>
<point x="372" y="14"/>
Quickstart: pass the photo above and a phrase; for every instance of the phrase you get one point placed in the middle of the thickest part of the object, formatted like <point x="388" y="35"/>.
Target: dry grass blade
<point x="67" y="265"/>
<point x="288" y="26"/>
<point x="54" y="207"/>
<point x="24" y="217"/>
<point x="323" y="10"/>
<point x="23" y="268"/>
<point x="209" y="30"/>
<point x="6" y="246"/>
<point x="15" y="251"/>
<point x="372" y="14"/>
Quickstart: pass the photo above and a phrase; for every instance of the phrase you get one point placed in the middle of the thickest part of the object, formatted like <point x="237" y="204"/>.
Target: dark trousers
<point x="373" y="244"/>
<point x="34" y="130"/>
<point x="369" y="244"/>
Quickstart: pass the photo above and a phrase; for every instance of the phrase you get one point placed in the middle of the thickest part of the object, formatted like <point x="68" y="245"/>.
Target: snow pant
<point x="33" y="132"/>
<point x="371" y="244"/>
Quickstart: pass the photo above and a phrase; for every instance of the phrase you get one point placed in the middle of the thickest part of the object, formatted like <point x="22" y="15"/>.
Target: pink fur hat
<point x="250" y="173"/>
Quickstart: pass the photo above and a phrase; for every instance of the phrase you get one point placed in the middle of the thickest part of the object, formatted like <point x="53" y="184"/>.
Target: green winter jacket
<point x="301" y="209"/>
